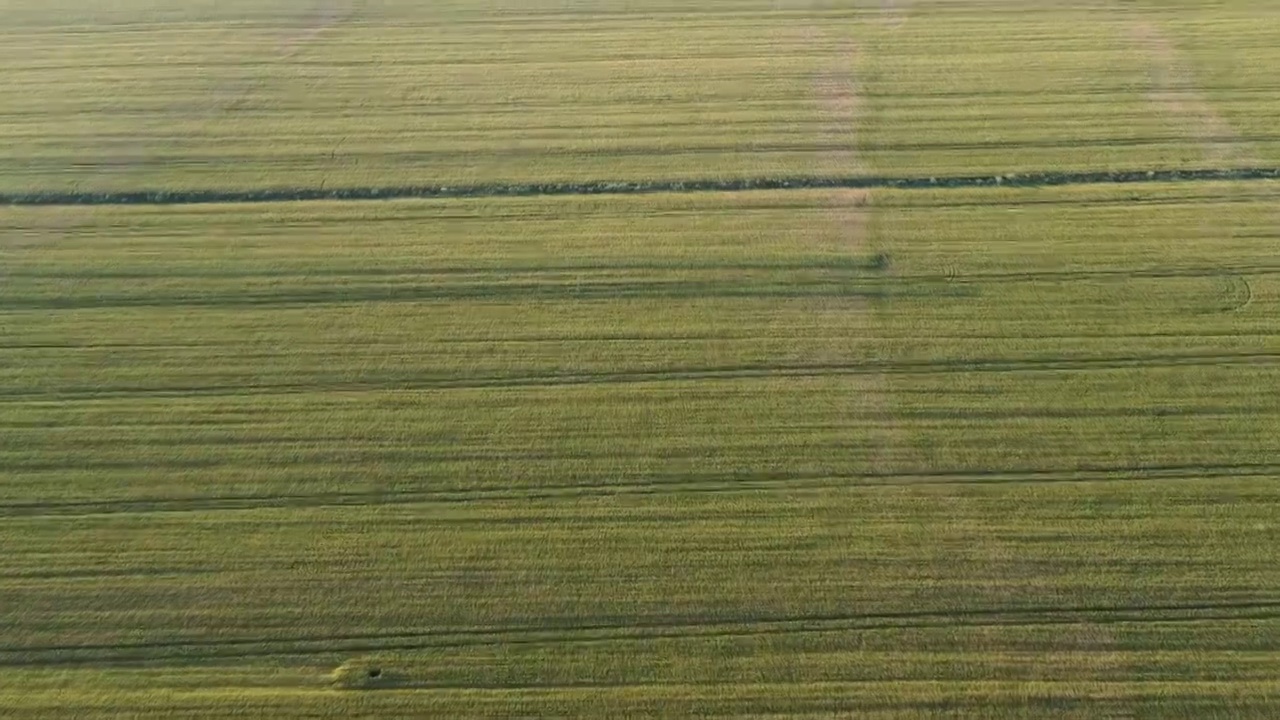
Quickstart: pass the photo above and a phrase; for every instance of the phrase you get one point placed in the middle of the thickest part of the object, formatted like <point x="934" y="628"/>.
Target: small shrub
<point x="364" y="674"/>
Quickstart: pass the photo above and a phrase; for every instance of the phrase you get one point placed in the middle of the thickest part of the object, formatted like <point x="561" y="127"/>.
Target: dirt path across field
<point x="848" y="231"/>
<point x="1175" y="93"/>
<point x="838" y="95"/>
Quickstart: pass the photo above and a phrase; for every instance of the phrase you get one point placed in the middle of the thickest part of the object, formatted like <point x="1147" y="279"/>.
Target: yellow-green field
<point x="991" y="452"/>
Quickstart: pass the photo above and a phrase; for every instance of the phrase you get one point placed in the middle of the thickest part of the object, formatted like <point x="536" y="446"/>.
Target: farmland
<point x="1003" y="449"/>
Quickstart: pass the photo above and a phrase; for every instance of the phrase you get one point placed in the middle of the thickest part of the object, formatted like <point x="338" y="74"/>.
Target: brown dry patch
<point x="836" y="88"/>
<point x="24" y="229"/>
<point x="893" y="13"/>
<point x="848" y="211"/>
<point x="1175" y="92"/>
<point x="326" y="14"/>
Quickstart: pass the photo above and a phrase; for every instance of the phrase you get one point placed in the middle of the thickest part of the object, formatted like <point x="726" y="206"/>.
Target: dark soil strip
<point x="1033" y="179"/>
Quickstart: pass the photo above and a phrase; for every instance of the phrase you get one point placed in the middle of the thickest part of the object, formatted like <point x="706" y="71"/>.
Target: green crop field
<point x="844" y="447"/>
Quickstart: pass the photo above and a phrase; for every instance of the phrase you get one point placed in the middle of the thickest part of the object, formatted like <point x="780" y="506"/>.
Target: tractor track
<point x="732" y="483"/>
<point x="686" y="374"/>
<point x="229" y="649"/>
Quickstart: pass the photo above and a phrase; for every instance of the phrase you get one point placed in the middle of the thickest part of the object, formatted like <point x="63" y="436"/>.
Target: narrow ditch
<point x="267" y="195"/>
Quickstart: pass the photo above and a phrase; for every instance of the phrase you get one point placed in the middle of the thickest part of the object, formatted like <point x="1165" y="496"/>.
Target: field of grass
<point x="342" y="92"/>
<point x="972" y="452"/>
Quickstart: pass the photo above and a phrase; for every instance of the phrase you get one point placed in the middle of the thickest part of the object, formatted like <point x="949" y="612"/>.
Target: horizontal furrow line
<point x="331" y="294"/>
<point x="313" y="346"/>
<point x="642" y="630"/>
<point x="643" y="142"/>
<point x="187" y="436"/>
<point x="743" y="372"/>
<point x="734" y="483"/>
<point x="855" y="267"/>
<point x="1025" y="179"/>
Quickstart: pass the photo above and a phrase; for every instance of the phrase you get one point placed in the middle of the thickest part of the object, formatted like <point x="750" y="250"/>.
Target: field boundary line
<point x="854" y="182"/>
<point x="685" y="374"/>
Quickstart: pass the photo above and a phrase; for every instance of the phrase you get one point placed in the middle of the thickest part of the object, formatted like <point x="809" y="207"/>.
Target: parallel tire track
<point x="733" y="483"/>
<point x="690" y="374"/>
<point x="852" y="268"/>
<point x="556" y="633"/>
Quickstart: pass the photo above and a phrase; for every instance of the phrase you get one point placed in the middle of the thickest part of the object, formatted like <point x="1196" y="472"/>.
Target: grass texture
<point x="1006" y="452"/>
